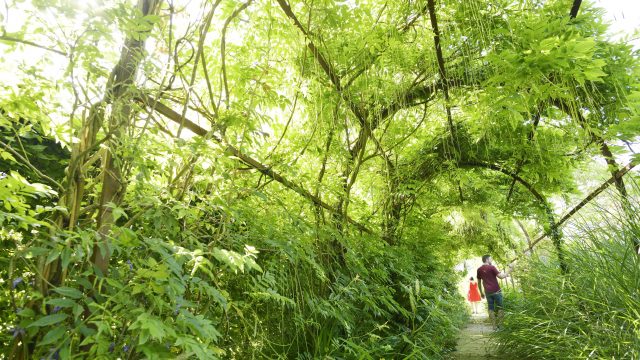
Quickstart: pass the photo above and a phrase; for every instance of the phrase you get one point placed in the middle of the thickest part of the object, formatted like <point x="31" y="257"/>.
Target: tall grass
<point x="593" y="312"/>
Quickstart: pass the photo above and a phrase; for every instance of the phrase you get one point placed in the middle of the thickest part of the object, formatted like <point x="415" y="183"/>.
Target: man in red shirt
<point x="488" y="275"/>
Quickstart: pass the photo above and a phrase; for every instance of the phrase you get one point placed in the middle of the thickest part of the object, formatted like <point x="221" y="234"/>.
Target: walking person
<point x="488" y="276"/>
<point x="473" y="295"/>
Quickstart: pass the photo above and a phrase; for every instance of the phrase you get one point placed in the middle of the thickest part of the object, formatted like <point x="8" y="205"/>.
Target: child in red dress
<point x="473" y="295"/>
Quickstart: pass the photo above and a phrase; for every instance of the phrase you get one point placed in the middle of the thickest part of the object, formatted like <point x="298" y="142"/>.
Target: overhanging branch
<point x="618" y="175"/>
<point x="246" y="159"/>
<point x="574" y="8"/>
<point x="5" y="37"/>
<point x="441" y="68"/>
<point x="575" y="114"/>
<point x="513" y="175"/>
<point x="553" y="225"/>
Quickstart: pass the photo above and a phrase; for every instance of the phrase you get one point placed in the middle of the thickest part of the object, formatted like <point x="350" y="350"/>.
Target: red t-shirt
<point x="488" y="274"/>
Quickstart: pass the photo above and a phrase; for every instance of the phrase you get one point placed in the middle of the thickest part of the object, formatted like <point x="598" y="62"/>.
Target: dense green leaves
<point x="280" y="179"/>
<point x="592" y="312"/>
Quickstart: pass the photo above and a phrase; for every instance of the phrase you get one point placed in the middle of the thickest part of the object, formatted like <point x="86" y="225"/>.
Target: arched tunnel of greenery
<point x="299" y="178"/>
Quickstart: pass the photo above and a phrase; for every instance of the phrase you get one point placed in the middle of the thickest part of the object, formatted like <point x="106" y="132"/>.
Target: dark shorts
<point x="494" y="300"/>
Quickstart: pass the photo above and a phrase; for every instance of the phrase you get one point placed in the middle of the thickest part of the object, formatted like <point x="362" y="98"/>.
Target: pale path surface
<point x="474" y="339"/>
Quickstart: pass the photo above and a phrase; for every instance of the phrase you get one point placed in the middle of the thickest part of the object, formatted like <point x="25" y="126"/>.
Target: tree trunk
<point x="119" y="95"/>
<point x="393" y="208"/>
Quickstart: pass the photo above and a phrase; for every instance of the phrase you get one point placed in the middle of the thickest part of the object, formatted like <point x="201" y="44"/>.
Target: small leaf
<point x="53" y="335"/>
<point x="52" y="256"/>
<point x="594" y="74"/>
<point x="35" y="251"/>
<point x="61" y="302"/>
<point x="69" y="292"/>
<point x="77" y="311"/>
<point x="27" y="313"/>
<point x="49" y="320"/>
<point x="7" y="156"/>
<point x="128" y="237"/>
<point x="116" y="211"/>
<point x="66" y="257"/>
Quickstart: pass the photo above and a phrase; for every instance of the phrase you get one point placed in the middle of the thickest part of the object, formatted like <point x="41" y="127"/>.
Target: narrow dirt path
<point x="474" y="340"/>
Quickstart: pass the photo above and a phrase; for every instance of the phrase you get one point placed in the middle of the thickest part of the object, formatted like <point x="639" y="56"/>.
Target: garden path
<point x="474" y="342"/>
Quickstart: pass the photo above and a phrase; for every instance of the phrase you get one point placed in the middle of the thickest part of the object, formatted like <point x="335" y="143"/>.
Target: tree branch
<point x="27" y="163"/>
<point x="618" y="175"/>
<point x="553" y="225"/>
<point x="441" y="68"/>
<point x="255" y="164"/>
<point x="5" y="37"/>
<point x="530" y="135"/>
<point x="223" y="51"/>
<point x="604" y="148"/>
<point x="513" y="175"/>
<point x="574" y="9"/>
<point x="204" y="29"/>
<point x="326" y="66"/>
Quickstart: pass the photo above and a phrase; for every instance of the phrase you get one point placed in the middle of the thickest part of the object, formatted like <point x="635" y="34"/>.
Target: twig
<point x="204" y="29"/>
<point x="33" y="168"/>
<point x="5" y="37"/>
<point x="441" y="69"/>
<point x="223" y="44"/>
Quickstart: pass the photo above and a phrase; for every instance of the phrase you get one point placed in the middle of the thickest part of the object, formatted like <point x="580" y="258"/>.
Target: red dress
<point x="474" y="294"/>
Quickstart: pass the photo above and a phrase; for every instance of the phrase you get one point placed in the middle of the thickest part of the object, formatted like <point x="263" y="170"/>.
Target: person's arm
<point x="506" y="273"/>
<point x="480" y="283"/>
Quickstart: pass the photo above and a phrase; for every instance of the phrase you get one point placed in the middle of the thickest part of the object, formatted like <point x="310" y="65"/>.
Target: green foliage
<point x="591" y="313"/>
<point x="386" y="303"/>
<point x="17" y="196"/>
<point x="129" y="233"/>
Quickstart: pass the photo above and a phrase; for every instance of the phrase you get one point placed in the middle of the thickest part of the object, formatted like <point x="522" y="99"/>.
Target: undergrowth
<point x="235" y="284"/>
<point x="593" y="312"/>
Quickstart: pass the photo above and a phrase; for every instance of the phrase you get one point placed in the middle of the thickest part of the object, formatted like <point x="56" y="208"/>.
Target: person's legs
<point x="475" y="307"/>
<point x="491" y="306"/>
<point x="499" y="309"/>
